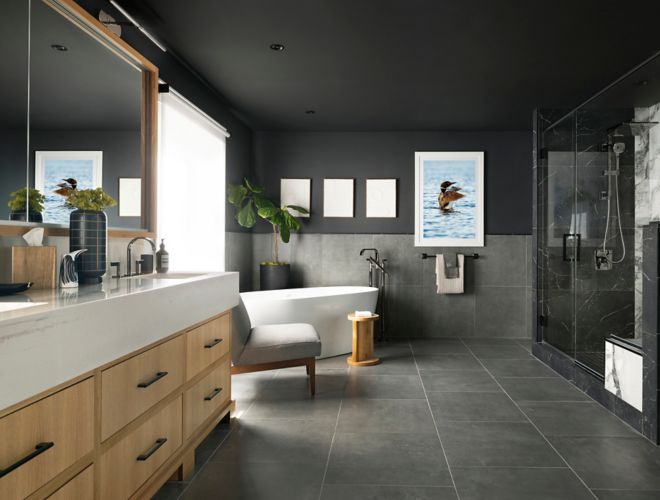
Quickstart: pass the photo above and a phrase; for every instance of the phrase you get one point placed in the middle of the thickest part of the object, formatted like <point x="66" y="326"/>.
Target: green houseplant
<point x="26" y="202"/>
<point x="88" y="229"/>
<point x="251" y="202"/>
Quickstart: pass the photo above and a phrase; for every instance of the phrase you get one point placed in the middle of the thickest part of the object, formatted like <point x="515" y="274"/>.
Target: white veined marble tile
<point x="623" y="374"/>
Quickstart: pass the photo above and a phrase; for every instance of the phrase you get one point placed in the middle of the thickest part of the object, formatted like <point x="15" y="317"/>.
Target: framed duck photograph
<point x="449" y="199"/>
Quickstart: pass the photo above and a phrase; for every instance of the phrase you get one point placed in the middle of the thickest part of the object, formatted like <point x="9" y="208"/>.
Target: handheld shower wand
<point x="618" y="148"/>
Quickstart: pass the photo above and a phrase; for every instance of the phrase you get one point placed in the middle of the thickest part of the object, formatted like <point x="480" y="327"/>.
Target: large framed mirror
<point x="78" y="111"/>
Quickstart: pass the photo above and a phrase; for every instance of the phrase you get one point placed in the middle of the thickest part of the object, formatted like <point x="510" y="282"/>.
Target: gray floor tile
<point x="519" y="484"/>
<point x="293" y="383"/>
<point x="518" y="368"/>
<point x="526" y="344"/>
<point x="626" y="495"/>
<point x="474" y="406"/>
<point x="448" y="362"/>
<point x="499" y="351"/>
<point x="575" y="419"/>
<point x="257" y="481"/>
<point x="438" y="346"/>
<point x="380" y="492"/>
<point x="208" y="447"/>
<point x="506" y="444"/>
<point x="277" y="441"/>
<point x="171" y="490"/>
<point x="486" y="341"/>
<point x="396" y="359"/>
<point x="612" y="462"/>
<point x="333" y="363"/>
<point x="293" y="409"/>
<point x="384" y="387"/>
<point x="399" y="459"/>
<point x="458" y="381"/>
<point x="386" y="415"/>
<point x="541" y="389"/>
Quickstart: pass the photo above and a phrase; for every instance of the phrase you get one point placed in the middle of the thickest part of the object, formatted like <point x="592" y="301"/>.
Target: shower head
<point x="631" y="128"/>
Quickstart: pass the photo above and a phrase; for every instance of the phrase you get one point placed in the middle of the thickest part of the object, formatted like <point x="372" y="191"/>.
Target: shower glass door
<point x="559" y="240"/>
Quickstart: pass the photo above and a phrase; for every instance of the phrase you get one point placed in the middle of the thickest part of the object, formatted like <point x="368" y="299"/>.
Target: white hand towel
<point x="449" y="285"/>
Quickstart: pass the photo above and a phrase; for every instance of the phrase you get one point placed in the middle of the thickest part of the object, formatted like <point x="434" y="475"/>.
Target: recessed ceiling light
<point x="277" y="47"/>
<point x="58" y="47"/>
<point x="310" y="112"/>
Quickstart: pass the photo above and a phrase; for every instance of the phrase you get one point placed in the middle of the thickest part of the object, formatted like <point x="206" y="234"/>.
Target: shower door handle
<point x="578" y="247"/>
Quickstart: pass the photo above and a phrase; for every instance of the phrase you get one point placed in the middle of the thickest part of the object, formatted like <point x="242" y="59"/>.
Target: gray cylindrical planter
<point x="88" y="229"/>
<point x="274" y="277"/>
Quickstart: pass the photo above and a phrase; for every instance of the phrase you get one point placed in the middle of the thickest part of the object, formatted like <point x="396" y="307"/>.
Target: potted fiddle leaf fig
<point x="26" y="205"/>
<point x="88" y="229"/>
<point x="251" y="202"/>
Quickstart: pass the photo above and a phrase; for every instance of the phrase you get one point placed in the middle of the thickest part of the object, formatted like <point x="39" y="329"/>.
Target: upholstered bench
<point x="270" y="347"/>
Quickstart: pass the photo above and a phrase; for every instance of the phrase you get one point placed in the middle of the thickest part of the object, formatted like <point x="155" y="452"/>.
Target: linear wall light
<point x="138" y="26"/>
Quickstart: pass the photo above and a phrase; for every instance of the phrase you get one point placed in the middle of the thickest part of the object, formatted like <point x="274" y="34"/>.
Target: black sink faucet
<point x="129" y="252"/>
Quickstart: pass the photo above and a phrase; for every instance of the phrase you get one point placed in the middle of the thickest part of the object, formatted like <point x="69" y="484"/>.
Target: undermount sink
<point x="12" y="306"/>
<point x="166" y="276"/>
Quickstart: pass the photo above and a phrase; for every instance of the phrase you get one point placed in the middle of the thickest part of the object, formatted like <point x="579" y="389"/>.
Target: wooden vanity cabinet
<point x="125" y="428"/>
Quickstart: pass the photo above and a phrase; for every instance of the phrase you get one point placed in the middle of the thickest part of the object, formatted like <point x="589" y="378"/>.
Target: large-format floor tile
<point x="612" y="462"/>
<point x="499" y="351"/>
<point x="293" y="383"/>
<point x="257" y="481"/>
<point x="397" y="459"/>
<point x="384" y="387"/>
<point x="542" y="389"/>
<point x="396" y="359"/>
<point x="277" y="441"/>
<point x="306" y="408"/>
<point x="575" y="419"/>
<point x="474" y="406"/>
<point x="507" y="444"/>
<point x="380" y="492"/>
<point x="433" y="347"/>
<point x="501" y="483"/>
<point x="459" y="381"/>
<point x="518" y="368"/>
<point x="447" y="362"/>
<point x="626" y="495"/>
<point x="386" y="415"/>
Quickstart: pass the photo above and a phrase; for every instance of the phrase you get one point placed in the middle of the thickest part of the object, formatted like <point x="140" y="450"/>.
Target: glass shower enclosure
<point x="598" y="185"/>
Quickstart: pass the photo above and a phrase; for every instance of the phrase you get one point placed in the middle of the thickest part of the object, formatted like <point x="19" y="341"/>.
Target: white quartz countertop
<point x="48" y="337"/>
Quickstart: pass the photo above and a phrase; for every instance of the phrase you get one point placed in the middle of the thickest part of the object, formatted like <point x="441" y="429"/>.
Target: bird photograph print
<point x="59" y="173"/>
<point x="449" y="194"/>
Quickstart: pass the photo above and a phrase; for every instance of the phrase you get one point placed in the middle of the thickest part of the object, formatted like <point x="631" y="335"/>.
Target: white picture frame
<point x="339" y="197"/>
<point x="456" y="220"/>
<point x="296" y="192"/>
<point x="130" y="197"/>
<point x="52" y="167"/>
<point x="381" y="198"/>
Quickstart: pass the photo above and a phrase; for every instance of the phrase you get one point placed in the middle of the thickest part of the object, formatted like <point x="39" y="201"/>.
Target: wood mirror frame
<point x="149" y="119"/>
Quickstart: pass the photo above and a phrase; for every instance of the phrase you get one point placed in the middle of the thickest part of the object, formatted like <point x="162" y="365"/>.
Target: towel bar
<point x="427" y="256"/>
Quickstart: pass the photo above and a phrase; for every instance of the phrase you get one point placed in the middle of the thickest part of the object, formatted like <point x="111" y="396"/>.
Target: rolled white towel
<point x="362" y="314"/>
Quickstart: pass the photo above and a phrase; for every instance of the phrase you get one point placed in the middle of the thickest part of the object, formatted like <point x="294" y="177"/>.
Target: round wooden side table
<point x="363" y="341"/>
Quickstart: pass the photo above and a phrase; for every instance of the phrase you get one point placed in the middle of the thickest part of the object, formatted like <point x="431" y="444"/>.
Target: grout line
<point x="327" y="463"/>
<point x="435" y="424"/>
<point x="535" y="426"/>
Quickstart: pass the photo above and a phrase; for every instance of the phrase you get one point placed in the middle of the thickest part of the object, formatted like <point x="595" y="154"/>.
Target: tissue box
<point x="35" y="264"/>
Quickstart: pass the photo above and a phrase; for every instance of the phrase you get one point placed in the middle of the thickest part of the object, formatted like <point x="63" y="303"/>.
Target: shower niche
<point x="597" y="176"/>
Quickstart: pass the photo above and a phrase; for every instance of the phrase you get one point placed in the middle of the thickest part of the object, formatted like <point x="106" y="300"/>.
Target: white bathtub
<point x="324" y="307"/>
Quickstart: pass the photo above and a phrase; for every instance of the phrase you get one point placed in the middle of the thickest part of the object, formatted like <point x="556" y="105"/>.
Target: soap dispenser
<point x="162" y="258"/>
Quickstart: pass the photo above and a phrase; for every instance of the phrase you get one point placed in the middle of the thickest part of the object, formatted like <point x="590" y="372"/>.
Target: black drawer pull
<point x="158" y="376"/>
<point x="212" y="344"/>
<point x="145" y="456"/>
<point x="215" y="392"/>
<point x="38" y="450"/>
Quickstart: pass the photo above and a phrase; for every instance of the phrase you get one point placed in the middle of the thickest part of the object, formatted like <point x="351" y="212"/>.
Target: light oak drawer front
<point x="206" y="396"/>
<point x="41" y="440"/>
<point x="207" y="343"/>
<point x="80" y="487"/>
<point x="132" y="387"/>
<point x="129" y="463"/>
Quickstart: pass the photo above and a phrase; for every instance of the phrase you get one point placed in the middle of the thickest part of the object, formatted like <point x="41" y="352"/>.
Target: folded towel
<point x="451" y="264"/>
<point x="362" y="314"/>
<point x="449" y="285"/>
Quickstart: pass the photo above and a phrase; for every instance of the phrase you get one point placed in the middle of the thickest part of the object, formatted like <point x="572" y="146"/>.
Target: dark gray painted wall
<point x="362" y="155"/>
<point x="13" y="144"/>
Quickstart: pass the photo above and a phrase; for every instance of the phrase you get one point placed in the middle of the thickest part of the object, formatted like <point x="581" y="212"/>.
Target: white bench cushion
<point x="270" y="343"/>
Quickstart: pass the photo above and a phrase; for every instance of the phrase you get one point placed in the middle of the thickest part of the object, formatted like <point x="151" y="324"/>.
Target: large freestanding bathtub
<point x="325" y="308"/>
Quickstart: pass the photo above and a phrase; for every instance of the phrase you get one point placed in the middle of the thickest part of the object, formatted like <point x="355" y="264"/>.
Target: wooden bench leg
<point x="311" y="370"/>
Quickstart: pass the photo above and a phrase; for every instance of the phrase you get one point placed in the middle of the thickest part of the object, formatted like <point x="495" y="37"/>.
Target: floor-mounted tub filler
<point x="323" y="307"/>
